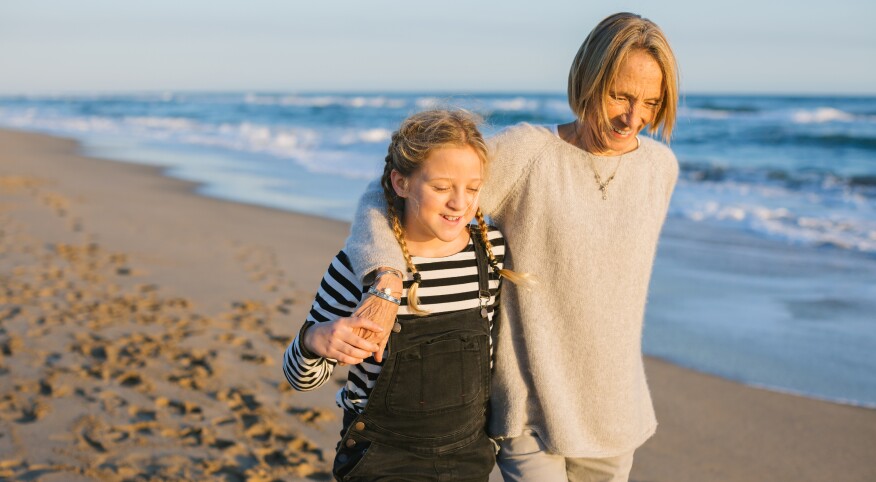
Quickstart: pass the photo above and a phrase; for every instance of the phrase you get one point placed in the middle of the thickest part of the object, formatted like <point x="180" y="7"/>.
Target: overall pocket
<point x="439" y="375"/>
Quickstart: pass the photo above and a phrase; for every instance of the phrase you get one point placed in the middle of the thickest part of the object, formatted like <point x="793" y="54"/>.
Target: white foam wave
<point x="376" y="102"/>
<point x="515" y="104"/>
<point x="427" y="102"/>
<point x="366" y="136"/>
<point x="801" y="218"/>
<point x="172" y="123"/>
<point x="821" y="115"/>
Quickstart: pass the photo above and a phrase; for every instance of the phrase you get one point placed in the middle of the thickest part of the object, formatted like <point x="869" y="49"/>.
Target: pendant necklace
<point x="603" y="186"/>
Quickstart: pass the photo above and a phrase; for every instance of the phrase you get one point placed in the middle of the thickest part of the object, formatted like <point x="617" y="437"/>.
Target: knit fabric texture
<point x="568" y="350"/>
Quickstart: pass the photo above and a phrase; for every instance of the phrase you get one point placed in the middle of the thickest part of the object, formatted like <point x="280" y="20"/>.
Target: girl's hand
<point x="339" y="339"/>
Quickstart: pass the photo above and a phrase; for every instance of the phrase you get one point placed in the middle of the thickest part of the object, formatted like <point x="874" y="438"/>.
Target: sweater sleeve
<point x="372" y="243"/>
<point x="512" y="153"/>
<point x="338" y="296"/>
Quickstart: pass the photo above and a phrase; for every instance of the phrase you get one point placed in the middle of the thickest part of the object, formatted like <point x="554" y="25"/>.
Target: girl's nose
<point x="458" y="199"/>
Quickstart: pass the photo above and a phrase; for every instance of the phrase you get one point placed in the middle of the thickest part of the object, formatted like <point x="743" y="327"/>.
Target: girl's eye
<point x="474" y="189"/>
<point x="441" y="188"/>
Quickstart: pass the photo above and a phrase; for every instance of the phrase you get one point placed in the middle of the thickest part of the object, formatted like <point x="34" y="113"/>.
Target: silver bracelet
<point x="391" y="271"/>
<point x="386" y="294"/>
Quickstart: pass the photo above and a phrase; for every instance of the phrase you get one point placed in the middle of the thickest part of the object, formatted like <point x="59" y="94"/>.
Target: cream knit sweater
<point x="568" y="352"/>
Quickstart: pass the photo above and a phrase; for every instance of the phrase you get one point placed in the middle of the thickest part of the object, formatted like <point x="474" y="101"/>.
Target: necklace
<point x="603" y="186"/>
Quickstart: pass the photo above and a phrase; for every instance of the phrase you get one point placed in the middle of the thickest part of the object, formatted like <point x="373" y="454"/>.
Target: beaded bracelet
<point x="386" y="294"/>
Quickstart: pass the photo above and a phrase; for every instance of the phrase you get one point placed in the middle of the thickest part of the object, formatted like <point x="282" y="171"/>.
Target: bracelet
<point x="391" y="271"/>
<point x="386" y="294"/>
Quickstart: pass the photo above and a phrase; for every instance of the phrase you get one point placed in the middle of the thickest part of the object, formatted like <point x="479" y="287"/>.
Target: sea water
<point x="766" y="272"/>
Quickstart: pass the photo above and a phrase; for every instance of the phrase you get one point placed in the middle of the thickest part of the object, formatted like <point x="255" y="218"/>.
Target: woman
<point x="582" y="205"/>
<point x="421" y="413"/>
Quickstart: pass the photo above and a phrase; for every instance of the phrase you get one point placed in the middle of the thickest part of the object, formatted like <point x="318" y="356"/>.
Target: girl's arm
<point x="329" y="333"/>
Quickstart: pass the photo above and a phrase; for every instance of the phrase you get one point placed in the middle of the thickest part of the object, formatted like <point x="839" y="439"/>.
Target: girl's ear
<point x="399" y="183"/>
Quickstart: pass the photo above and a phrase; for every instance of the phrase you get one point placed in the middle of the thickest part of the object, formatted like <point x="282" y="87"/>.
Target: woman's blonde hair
<point x="411" y="144"/>
<point x="597" y="63"/>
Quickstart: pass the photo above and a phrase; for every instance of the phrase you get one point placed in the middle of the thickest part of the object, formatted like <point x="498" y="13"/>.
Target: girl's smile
<point x="440" y="200"/>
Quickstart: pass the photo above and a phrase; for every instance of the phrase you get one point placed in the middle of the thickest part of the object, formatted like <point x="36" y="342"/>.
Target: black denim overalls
<point x="426" y="416"/>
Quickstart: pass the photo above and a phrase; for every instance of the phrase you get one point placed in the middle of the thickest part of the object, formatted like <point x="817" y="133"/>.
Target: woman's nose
<point x="631" y="112"/>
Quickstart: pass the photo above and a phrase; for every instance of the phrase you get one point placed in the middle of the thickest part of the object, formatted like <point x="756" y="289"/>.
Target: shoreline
<point x="684" y="240"/>
<point x="708" y="424"/>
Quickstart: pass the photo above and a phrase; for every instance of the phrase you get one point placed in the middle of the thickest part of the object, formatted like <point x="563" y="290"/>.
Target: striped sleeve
<point x="338" y="296"/>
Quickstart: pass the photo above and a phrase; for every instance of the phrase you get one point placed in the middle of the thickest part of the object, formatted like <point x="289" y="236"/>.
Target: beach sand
<point x="142" y="328"/>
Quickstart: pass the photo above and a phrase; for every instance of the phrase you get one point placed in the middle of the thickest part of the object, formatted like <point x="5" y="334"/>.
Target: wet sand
<point x="142" y="328"/>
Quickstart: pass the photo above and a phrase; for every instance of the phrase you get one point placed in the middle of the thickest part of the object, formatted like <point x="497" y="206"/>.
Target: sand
<point x="142" y="328"/>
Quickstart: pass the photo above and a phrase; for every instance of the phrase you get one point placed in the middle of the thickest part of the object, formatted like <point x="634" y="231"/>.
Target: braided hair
<point x="411" y="144"/>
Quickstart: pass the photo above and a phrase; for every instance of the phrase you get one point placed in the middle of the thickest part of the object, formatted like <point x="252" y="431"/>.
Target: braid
<point x="398" y="231"/>
<point x="416" y="138"/>
<point x="522" y="279"/>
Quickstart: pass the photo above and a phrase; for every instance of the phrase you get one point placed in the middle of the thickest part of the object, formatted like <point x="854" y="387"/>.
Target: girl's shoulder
<point x="341" y="269"/>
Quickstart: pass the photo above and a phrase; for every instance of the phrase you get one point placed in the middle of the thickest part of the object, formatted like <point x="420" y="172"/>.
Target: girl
<point x="418" y="411"/>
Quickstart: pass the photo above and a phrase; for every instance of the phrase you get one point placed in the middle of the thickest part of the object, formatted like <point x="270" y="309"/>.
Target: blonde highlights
<point x="417" y="137"/>
<point x="598" y="61"/>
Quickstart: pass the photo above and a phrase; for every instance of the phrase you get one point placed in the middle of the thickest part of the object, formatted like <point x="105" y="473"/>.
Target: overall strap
<point x="483" y="261"/>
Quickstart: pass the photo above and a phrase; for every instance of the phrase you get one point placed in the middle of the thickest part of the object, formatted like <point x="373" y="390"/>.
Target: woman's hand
<point x="381" y="312"/>
<point x="341" y="341"/>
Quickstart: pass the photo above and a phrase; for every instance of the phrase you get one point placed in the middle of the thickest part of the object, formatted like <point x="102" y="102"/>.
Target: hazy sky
<point x="453" y="45"/>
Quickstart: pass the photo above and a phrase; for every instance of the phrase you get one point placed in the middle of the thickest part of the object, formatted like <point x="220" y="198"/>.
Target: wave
<point x="322" y="101"/>
<point x="779" y="113"/>
<point x="833" y="140"/>
<point x="801" y="179"/>
<point x="813" y="208"/>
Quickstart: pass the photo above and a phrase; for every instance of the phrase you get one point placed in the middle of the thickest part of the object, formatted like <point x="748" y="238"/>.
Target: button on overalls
<point x="426" y="415"/>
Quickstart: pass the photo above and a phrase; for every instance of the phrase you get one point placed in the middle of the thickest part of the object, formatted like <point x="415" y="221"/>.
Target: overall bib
<point x="426" y="416"/>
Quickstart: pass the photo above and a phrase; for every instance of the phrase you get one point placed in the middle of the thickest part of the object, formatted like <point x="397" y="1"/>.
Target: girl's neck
<point x="436" y="248"/>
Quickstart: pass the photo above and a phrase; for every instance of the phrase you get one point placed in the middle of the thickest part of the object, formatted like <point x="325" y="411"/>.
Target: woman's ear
<point x="399" y="183"/>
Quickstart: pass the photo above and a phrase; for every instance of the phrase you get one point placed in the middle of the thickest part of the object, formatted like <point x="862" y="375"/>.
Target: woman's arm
<point x="372" y="245"/>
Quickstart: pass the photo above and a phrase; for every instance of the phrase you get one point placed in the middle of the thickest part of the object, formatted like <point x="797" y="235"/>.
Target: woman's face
<point x="441" y="197"/>
<point x="633" y="101"/>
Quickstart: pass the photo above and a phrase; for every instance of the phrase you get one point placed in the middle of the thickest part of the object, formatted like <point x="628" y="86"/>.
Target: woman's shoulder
<point x="523" y="138"/>
<point x="659" y="155"/>
<point x="512" y="150"/>
<point x="656" y="149"/>
<point x="522" y="133"/>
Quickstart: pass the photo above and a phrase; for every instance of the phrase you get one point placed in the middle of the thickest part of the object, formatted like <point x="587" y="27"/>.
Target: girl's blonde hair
<point x="599" y="59"/>
<point x="411" y="144"/>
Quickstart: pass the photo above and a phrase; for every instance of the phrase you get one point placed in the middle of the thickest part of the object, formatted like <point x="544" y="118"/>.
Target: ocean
<point x="767" y="267"/>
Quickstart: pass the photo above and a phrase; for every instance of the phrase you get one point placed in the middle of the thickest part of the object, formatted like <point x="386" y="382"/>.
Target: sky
<point x="743" y="46"/>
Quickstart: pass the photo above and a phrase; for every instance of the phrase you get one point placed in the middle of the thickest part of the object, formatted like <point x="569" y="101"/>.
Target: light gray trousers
<point x="525" y="459"/>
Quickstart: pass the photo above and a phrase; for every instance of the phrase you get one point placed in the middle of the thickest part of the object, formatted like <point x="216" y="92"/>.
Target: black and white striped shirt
<point x="448" y="284"/>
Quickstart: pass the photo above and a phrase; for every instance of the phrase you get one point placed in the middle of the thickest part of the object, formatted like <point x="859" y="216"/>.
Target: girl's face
<point x="440" y="198"/>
